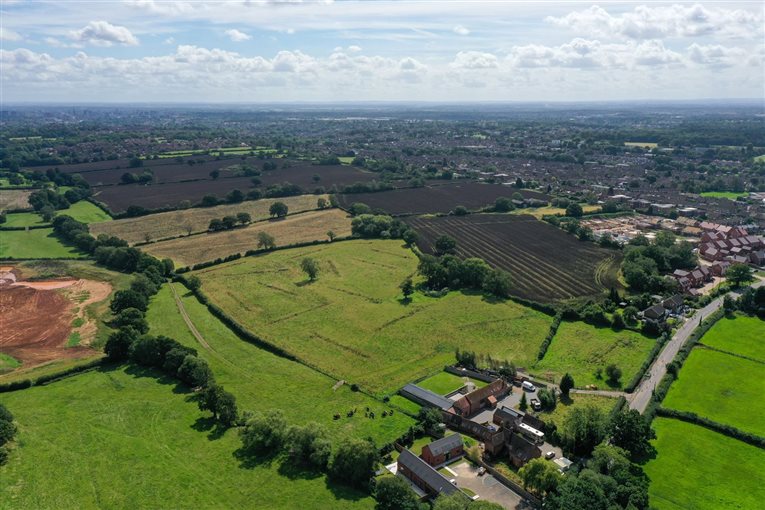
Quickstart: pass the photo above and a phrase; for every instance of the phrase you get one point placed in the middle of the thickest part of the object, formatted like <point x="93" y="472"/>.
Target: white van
<point x="528" y="386"/>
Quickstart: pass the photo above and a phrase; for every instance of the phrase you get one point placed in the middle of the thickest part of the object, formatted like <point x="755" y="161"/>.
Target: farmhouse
<point x="655" y="313"/>
<point x="443" y="450"/>
<point x="521" y="450"/>
<point x="482" y="397"/>
<point x="423" y="475"/>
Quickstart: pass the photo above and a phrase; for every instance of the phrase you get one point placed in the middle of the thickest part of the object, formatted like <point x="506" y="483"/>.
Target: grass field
<point x="298" y="228"/>
<point x="760" y="159"/>
<point x="352" y="323"/>
<point x="14" y="199"/>
<point x="24" y="219"/>
<point x="32" y="244"/>
<point x="8" y="363"/>
<point x="405" y="404"/>
<point x="721" y="387"/>
<point x="698" y="469"/>
<point x="444" y="383"/>
<point x="181" y="222"/>
<point x="647" y="145"/>
<point x="121" y="438"/>
<point x="580" y="349"/>
<point x="86" y="212"/>
<point x="740" y="334"/>
<point x="557" y="415"/>
<point x="539" y="212"/>
<point x="730" y="195"/>
<point x="261" y="380"/>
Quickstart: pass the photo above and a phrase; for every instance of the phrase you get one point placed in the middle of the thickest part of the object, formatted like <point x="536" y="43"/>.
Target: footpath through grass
<point x="261" y="380"/>
<point x="739" y="334"/>
<point x="352" y="322"/>
<point x="698" y="469"/>
<point x="122" y="438"/>
<point x="580" y="349"/>
<point x="34" y="244"/>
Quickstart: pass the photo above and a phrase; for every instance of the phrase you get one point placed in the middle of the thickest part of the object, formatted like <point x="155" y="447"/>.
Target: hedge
<point x="30" y="227"/>
<point x="550" y="335"/>
<point x="657" y="347"/>
<point x="45" y="379"/>
<point x="728" y="430"/>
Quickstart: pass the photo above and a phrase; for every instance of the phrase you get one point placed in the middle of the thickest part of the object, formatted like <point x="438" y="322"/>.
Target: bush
<point x="264" y="431"/>
<point x="354" y="462"/>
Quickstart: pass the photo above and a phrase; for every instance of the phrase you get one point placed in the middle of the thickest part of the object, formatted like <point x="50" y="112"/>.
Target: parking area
<point x="512" y="400"/>
<point x="486" y="487"/>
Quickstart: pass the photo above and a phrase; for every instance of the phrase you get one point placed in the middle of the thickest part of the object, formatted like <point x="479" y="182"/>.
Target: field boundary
<point x="42" y="380"/>
<point x="655" y="350"/>
<point x="721" y="428"/>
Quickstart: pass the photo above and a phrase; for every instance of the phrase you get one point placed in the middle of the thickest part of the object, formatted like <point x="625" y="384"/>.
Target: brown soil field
<point x="38" y="319"/>
<point x="437" y="198"/>
<point x="545" y="263"/>
<point x="169" y="193"/>
<point x="14" y="199"/>
<point x="175" y="223"/>
<point x="299" y="228"/>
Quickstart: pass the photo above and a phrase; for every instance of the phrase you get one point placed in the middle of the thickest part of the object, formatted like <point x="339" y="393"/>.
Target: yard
<point x="580" y="349"/>
<point x="122" y="438"/>
<point x="698" y="469"/>
<point x="352" y="323"/>
<point x="740" y="334"/>
<point x="721" y="387"/>
<point x="444" y="383"/>
<point x="261" y="380"/>
<point x="34" y="244"/>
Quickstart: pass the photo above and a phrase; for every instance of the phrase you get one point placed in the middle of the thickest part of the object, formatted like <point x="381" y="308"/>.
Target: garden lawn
<point x="352" y="322"/>
<point x="86" y="212"/>
<point x="122" y="438"/>
<point x="23" y="219"/>
<point x="261" y="380"/>
<point x="580" y="349"/>
<point x="721" y="387"/>
<point x="698" y="469"/>
<point x="444" y="383"/>
<point x="558" y="415"/>
<point x="730" y="195"/>
<point x="34" y="244"/>
<point x="739" y="334"/>
<point x="407" y="405"/>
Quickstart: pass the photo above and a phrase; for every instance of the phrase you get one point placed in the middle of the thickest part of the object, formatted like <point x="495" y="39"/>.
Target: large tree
<point x="278" y="209"/>
<point x="540" y="476"/>
<point x="354" y="461"/>
<point x="394" y="493"/>
<point x="310" y="267"/>
<point x="566" y="384"/>
<point x="739" y="274"/>
<point x="264" y="432"/>
<point x="630" y="431"/>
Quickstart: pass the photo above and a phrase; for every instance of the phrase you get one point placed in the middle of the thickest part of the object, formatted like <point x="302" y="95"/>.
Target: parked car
<point x="549" y="455"/>
<point x="528" y="386"/>
<point x="536" y="404"/>
<point x="481" y="471"/>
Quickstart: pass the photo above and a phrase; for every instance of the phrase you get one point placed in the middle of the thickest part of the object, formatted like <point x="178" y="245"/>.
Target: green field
<point x="698" y="469"/>
<point x="646" y="145"/>
<point x="721" y="387"/>
<point x="8" y="363"/>
<point x="261" y="380"/>
<point x="34" y="244"/>
<point x="760" y="159"/>
<point x="86" y="212"/>
<point x="558" y="415"/>
<point x="122" y="438"/>
<point x="405" y="404"/>
<point x="444" y="383"/>
<point x="730" y="195"/>
<point x="352" y="323"/>
<point x="740" y="334"/>
<point x="346" y="160"/>
<point x="23" y="219"/>
<point x="580" y="349"/>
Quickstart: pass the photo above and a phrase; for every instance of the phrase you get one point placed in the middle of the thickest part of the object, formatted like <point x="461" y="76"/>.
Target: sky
<point x="260" y="51"/>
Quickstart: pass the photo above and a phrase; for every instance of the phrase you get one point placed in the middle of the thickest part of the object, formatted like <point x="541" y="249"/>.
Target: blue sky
<point x="260" y="51"/>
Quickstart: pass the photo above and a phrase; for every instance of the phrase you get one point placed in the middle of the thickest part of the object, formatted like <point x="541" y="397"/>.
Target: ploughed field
<point x="545" y="263"/>
<point x="294" y="229"/>
<point x="192" y="185"/>
<point x="436" y="198"/>
<point x="184" y="221"/>
<point x="352" y="322"/>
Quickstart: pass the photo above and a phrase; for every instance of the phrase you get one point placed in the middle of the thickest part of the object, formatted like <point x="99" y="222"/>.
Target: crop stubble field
<point x="437" y="198"/>
<point x="14" y="199"/>
<point x="545" y="263"/>
<point x="298" y="228"/>
<point x="351" y="323"/>
<point x="177" y="223"/>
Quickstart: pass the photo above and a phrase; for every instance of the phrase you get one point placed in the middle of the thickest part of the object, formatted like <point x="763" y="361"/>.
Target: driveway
<point x="487" y="487"/>
<point x="512" y="400"/>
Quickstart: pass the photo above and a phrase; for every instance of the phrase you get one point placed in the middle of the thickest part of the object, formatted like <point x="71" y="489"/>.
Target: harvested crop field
<point x="298" y="228"/>
<point x="14" y="199"/>
<point x="62" y="302"/>
<point x="545" y="263"/>
<point x="440" y="198"/>
<point x="168" y="193"/>
<point x="181" y="222"/>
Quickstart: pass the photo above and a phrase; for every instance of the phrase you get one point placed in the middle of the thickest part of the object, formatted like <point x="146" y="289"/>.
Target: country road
<point x="642" y="395"/>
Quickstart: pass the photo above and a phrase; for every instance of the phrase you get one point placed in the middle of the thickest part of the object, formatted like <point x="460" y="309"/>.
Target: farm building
<point x="426" y="397"/>
<point x="507" y="417"/>
<point x="482" y="397"/>
<point x="443" y="450"/>
<point x="423" y="475"/>
<point x="522" y="450"/>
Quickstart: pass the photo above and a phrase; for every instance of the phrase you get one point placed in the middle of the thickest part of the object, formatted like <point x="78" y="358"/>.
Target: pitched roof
<point x="432" y="478"/>
<point x="444" y="445"/>
<point x="508" y="413"/>
<point x="491" y="389"/>
<point x="428" y="396"/>
<point x="523" y="449"/>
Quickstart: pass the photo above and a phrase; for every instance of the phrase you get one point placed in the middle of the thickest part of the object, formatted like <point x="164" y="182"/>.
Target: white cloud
<point x="460" y="30"/>
<point x="170" y="40"/>
<point x="354" y="48"/>
<point x="474" y="60"/>
<point x="103" y="33"/>
<point x="652" y="22"/>
<point x="9" y="35"/>
<point x="237" y="36"/>
<point x="715" y="55"/>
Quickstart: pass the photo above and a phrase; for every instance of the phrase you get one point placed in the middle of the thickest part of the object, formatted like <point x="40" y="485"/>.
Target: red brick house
<point x="482" y="397"/>
<point x="522" y="450"/>
<point x="443" y="450"/>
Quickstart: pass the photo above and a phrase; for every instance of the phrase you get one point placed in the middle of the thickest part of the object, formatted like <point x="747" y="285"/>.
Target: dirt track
<point x="36" y="318"/>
